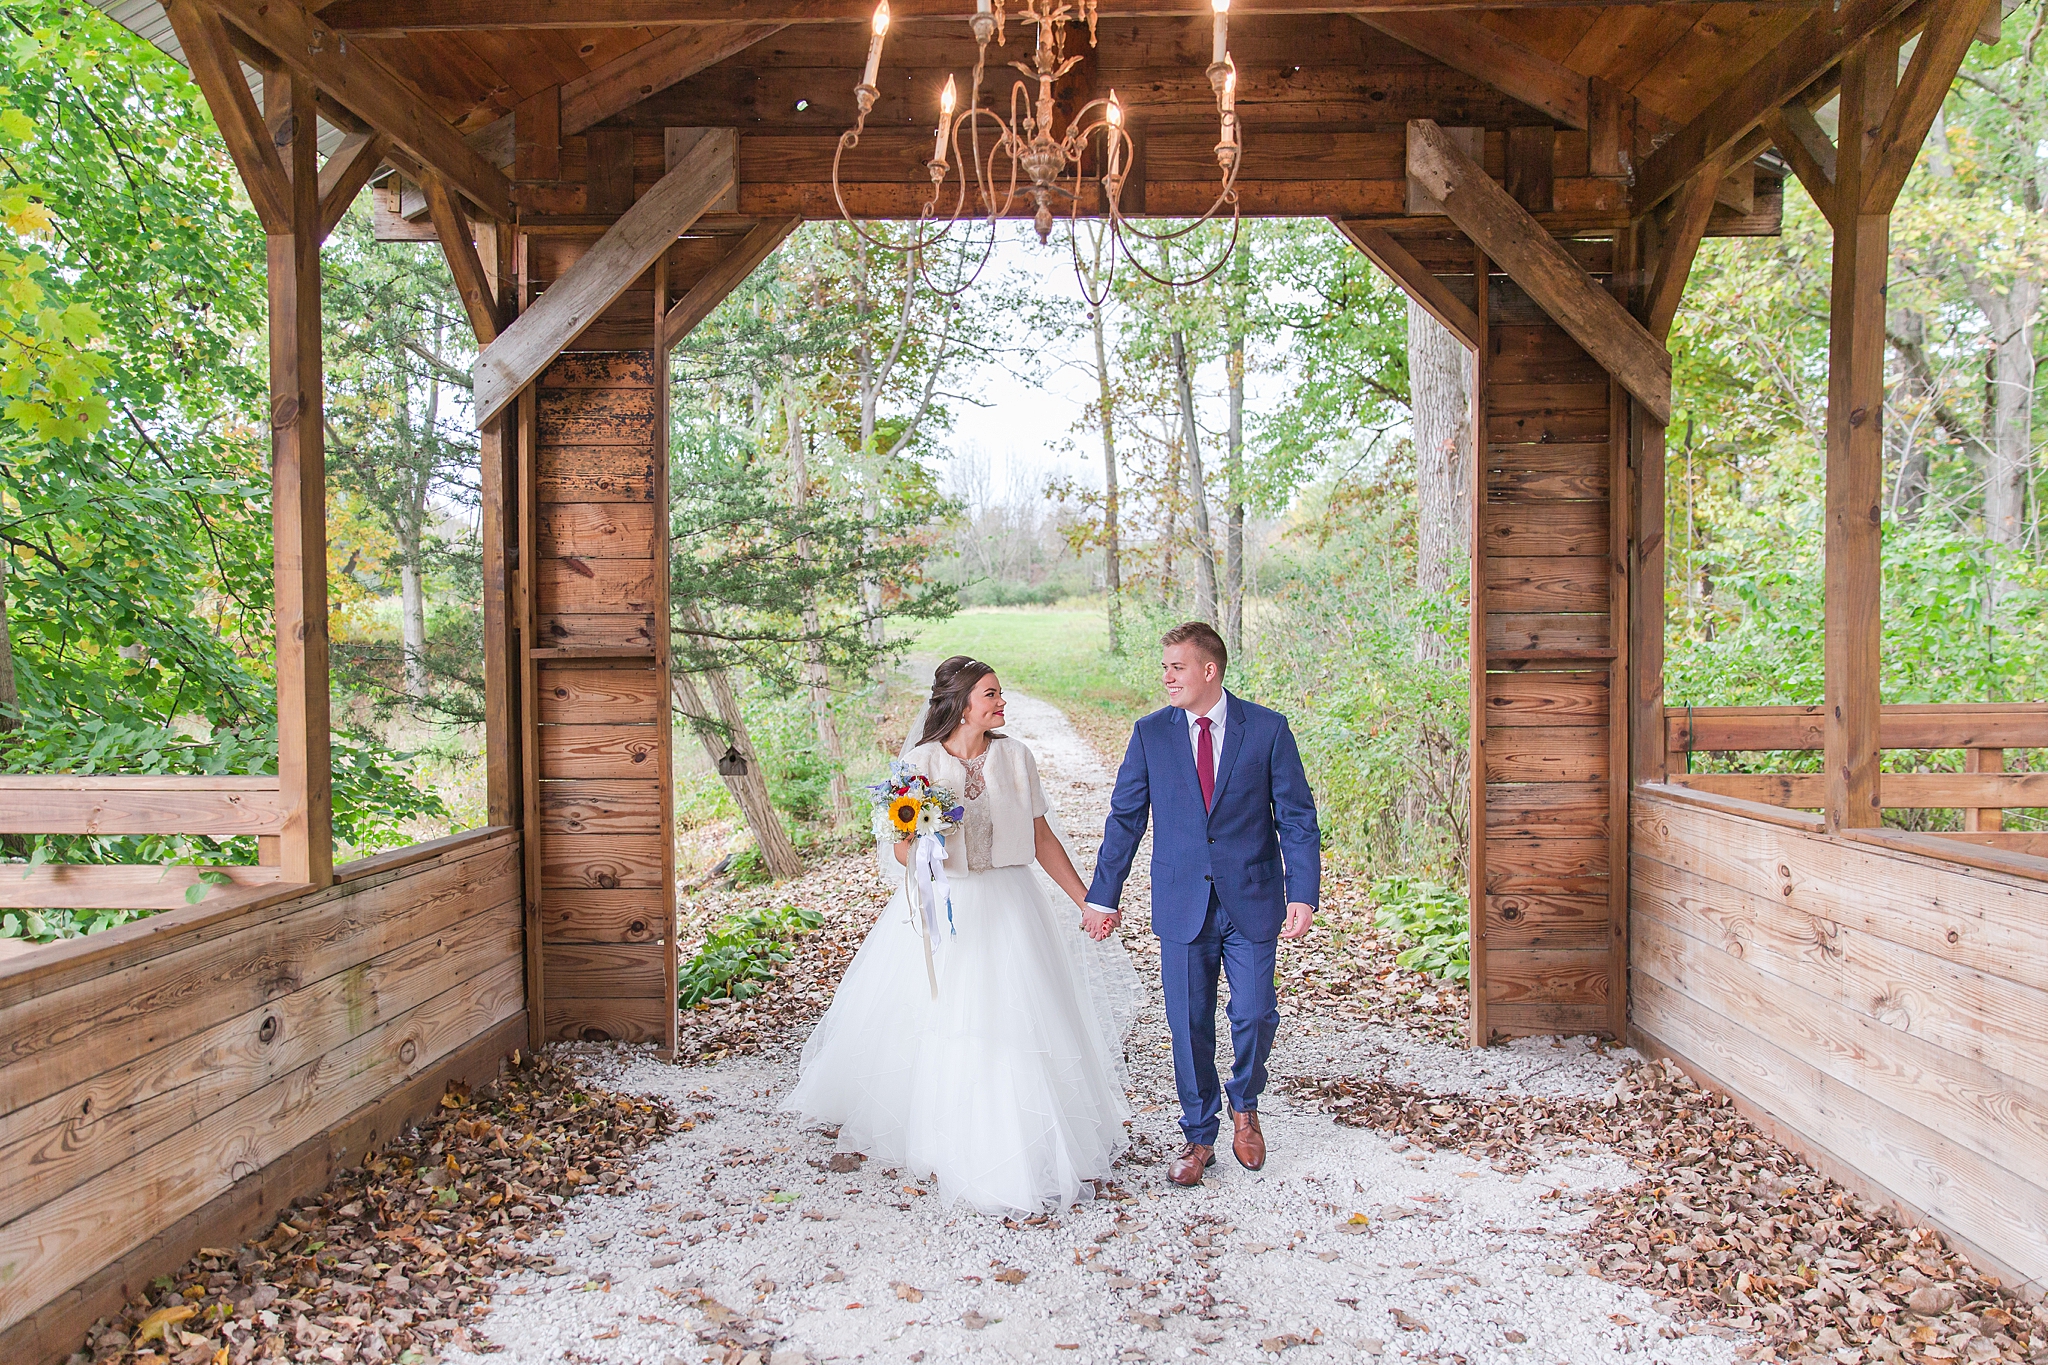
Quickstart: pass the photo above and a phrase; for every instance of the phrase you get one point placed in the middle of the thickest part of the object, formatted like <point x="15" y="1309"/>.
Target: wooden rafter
<point x="606" y="271"/>
<point x="371" y="91"/>
<point x="1464" y="44"/>
<point x="452" y="226"/>
<point x="1773" y="81"/>
<point x="345" y="174"/>
<point x="1521" y="246"/>
<point x="217" y="71"/>
<point x="1416" y="279"/>
<point x="1922" y="87"/>
<point x="413" y="16"/>
<point x="651" y="68"/>
<point x="1808" y="149"/>
<point x="731" y="271"/>
<point x="1681" y="244"/>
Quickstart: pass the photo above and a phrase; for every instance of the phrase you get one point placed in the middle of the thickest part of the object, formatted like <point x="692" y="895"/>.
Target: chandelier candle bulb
<point x="875" y="43"/>
<point x="947" y="100"/>
<point x="1114" y="117"/>
<point x="1222" y="47"/>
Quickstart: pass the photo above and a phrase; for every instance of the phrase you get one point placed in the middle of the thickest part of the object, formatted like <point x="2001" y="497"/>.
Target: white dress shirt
<point x="1216" y="715"/>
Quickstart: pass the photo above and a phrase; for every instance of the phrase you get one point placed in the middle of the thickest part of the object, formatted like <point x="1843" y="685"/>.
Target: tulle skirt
<point x="1010" y="1086"/>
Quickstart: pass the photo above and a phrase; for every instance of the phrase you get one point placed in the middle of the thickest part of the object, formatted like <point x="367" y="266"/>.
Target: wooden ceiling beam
<point x="1922" y="87"/>
<point x="1772" y="82"/>
<point x="731" y="271"/>
<point x="1416" y="280"/>
<point x="652" y="67"/>
<point x="597" y="279"/>
<point x="387" y="17"/>
<point x="1464" y="44"/>
<point x="1513" y="239"/>
<point x="458" y="244"/>
<point x="372" y="92"/>
<point x="1808" y="149"/>
<point x="345" y="174"/>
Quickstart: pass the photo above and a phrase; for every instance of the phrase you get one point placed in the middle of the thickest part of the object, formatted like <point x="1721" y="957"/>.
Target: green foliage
<point x="134" y="497"/>
<point x="741" y="953"/>
<point x="1343" y="647"/>
<point x="1432" y="919"/>
<point x="47" y="926"/>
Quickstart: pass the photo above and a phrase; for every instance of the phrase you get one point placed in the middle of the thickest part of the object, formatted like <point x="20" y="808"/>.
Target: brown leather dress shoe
<point x="1187" y="1168"/>
<point x="1248" y="1144"/>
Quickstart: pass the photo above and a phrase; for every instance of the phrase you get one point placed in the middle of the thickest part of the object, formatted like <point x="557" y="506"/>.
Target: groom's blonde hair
<point x="1204" y="638"/>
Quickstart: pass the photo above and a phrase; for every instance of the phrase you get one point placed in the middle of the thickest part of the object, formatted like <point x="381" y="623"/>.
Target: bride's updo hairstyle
<point x="952" y="685"/>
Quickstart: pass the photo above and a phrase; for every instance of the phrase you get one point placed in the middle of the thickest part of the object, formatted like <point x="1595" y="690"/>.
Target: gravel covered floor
<point x="745" y="1240"/>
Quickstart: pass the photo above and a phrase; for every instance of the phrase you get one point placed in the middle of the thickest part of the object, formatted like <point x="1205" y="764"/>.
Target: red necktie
<point x="1205" y="763"/>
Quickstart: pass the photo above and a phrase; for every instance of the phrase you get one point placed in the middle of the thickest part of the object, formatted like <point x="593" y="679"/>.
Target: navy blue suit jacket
<point x="1258" y="848"/>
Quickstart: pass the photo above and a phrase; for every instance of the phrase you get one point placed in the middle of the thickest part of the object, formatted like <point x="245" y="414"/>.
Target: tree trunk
<point x="750" y="789"/>
<point x="1909" y="492"/>
<point x="2011" y="316"/>
<point x="817" y="677"/>
<point x="1172" y="534"/>
<point x="1198" y="492"/>
<point x="1440" y="401"/>
<point x="1112" y="565"/>
<point x="10" y="696"/>
<point x="412" y="611"/>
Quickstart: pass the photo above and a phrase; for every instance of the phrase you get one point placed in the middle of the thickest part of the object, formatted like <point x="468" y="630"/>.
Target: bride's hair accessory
<point x="953" y="684"/>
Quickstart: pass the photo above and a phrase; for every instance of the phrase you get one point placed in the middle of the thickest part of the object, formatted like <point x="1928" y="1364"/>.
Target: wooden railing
<point x="220" y="807"/>
<point x="1983" y="791"/>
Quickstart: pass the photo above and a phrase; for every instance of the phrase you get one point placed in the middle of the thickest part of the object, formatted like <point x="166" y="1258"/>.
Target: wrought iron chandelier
<point x="1051" y="170"/>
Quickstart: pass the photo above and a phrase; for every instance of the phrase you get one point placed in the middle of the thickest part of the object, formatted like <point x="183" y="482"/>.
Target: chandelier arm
<point x="1236" y="227"/>
<point x="851" y="138"/>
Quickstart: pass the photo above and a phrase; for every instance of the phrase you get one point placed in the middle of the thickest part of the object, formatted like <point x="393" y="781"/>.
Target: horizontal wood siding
<point x="1888" y="1009"/>
<point x="189" y="1077"/>
<point x="602" y="859"/>
<point x="1550" y="922"/>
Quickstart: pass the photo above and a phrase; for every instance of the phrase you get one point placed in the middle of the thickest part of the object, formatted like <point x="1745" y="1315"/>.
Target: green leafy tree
<point x="134" y="522"/>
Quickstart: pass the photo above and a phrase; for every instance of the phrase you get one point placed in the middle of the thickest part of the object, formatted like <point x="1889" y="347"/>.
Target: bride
<point x="1009" y="1086"/>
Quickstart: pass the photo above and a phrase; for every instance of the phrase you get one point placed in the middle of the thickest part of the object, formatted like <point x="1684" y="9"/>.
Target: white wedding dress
<point x="1010" y="1086"/>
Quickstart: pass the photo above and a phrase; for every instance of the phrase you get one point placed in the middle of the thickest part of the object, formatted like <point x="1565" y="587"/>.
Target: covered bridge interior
<point x="1538" y="176"/>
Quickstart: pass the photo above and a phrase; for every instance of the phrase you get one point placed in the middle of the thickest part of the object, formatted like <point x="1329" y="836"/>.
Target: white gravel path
<point x="1454" y="1262"/>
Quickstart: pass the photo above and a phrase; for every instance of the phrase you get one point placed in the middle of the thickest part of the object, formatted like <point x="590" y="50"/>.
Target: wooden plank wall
<point x="1890" y="1010"/>
<point x="601" y="793"/>
<point x="1549" y="957"/>
<point x="177" y="1081"/>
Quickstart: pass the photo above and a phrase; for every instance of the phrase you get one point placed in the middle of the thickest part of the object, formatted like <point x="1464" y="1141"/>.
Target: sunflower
<point x="903" y="814"/>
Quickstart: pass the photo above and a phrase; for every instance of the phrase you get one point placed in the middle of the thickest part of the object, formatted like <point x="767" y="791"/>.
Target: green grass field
<point x="1057" y="654"/>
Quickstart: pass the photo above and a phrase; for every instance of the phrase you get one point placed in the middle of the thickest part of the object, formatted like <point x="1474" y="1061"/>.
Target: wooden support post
<point x="663" y="668"/>
<point x="1642" y="503"/>
<point x="498" y="523"/>
<point x="1855" y="448"/>
<point x="525" y="415"/>
<point x="298" y="509"/>
<point x="1479" y="1027"/>
<point x="1979" y="819"/>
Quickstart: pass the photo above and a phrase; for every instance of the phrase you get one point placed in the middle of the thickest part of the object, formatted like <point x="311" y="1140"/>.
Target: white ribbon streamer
<point x="926" y="886"/>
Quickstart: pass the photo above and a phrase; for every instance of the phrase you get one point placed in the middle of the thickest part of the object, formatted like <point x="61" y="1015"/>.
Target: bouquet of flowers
<point x="910" y="804"/>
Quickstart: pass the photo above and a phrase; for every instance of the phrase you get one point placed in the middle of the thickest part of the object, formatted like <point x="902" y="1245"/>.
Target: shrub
<point x="742" y="952"/>
<point x="1432" y="919"/>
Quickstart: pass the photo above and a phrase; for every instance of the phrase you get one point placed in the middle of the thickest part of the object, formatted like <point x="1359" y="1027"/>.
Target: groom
<point x="1236" y="866"/>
